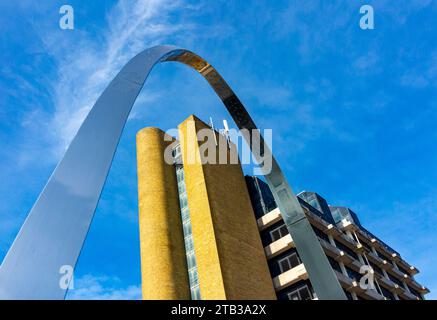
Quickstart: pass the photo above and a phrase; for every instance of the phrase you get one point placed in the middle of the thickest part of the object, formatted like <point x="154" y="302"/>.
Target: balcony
<point x="279" y="246"/>
<point x="416" y="286"/>
<point x="383" y="264"/>
<point x="398" y="274"/>
<point x="351" y="243"/>
<point x="316" y="220"/>
<point x="334" y="252"/>
<point x="353" y="286"/>
<point x="355" y="265"/>
<point x="403" y="264"/>
<point x="346" y="225"/>
<point x="372" y="295"/>
<point x="346" y="282"/>
<point x="390" y="285"/>
<point x="408" y="295"/>
<point x="290" y="277"/>
<point x="364" y="236"/>
<point x="332" y="230"/>
<point x="268" y="219"/>
<point x="413" y="270"/>
<point x="381" y="247"/>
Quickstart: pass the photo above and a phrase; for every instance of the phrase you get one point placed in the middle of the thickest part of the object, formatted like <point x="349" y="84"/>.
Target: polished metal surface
<point x="56" y="227"/>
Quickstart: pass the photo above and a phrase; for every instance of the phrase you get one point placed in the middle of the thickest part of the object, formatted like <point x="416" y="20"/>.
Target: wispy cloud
<point x="86" y="67"/>
<point x="91" y="287"/>
<point x="423" y="75"/>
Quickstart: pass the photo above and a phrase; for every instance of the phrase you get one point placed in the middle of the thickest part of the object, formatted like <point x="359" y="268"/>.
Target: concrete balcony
<point x="404" y="264"/>
<point x="334" y="252"/>
<point x="279" y="246"/>
<point x="413" y="270"/>
<point x="351" y="243"/>
<point x="372" y="295"/>
<point x="346" y="225"/>
<point x="332" y="230"/>
<point x="346" y="282"/>
<point x="364" y="236"/>
<point x="398" y="274"/>
<point x="416" y="286"/>
<point x="387" y="283"/>
<point x="408" y="295"/>
<point x="353" y="286"/>
<point x="383" y="264"/>
<point x="381" y="247"/>
<point x="290" y="277"/>
<point x="316" y="220"/>
<point x="355" y="265"/>
<point x="268" y="219"/>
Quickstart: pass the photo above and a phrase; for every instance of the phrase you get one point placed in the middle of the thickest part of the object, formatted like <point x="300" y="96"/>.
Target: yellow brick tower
<point x="229" y="255"/>
<point x="163" y="265"/>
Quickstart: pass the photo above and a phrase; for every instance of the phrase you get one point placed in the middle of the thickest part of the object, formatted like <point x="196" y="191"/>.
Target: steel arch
<point x="56" y="227"/>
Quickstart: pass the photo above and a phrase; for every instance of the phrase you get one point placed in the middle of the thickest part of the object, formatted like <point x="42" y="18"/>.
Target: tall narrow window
<point x="193" y="275"/>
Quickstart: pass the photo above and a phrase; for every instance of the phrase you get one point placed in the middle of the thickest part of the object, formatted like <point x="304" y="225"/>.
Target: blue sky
<point x="353" y="112"/>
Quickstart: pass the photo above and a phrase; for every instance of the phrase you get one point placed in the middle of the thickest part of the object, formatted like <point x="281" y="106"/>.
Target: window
<point x="383" y="256"/>
<point x="187" y="228"/>
<point x="376" y="269"/>
<point x="195" y="293"/>
<point x="386" y="293"/>
<point x="302" y="293"/>
<point x="395" y="280"/>
<point x="194" y="277"/>
<point x="417" y="294"/>
<point x="346" y="249"/>
<point x="402" y="269"/>
<point x="348" y="295"/>
<point x="320" y="234"/>
<point x="334" y="264"/>
<point x="353" y="274"/>
<point x="289" y="262"/>
<point x="279" y="232"/>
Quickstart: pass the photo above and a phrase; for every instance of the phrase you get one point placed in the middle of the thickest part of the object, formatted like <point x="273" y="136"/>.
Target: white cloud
<point x="91" y="287"/>
<point x="86" y="67"/>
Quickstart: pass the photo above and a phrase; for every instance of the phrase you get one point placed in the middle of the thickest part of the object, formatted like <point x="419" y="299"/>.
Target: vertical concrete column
<point x="163" y="262"/>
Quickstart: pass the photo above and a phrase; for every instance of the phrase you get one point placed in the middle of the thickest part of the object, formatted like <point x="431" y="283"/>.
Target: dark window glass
<point x="348" y="295"/>
<point x="417" y="294"/>
<point x="365" y="245"/>
<point x="289" y="262"/>
<point x="395" y="280"/>
<point x="402" y="269"/>
<point x="279" y="232"/>
<point x="302" y="293"/>
<point x="334" y="264"/>
<point x="321" y="234"/>
<point x="376" y="269"/>
<point x="386" y="293"/>
<point x="353" y="274"/>
<point x="383" y="256"/>
<point x="346" y="249"/>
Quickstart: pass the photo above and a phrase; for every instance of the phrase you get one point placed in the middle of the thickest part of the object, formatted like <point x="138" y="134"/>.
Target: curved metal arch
<point x="56" y="227"/>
